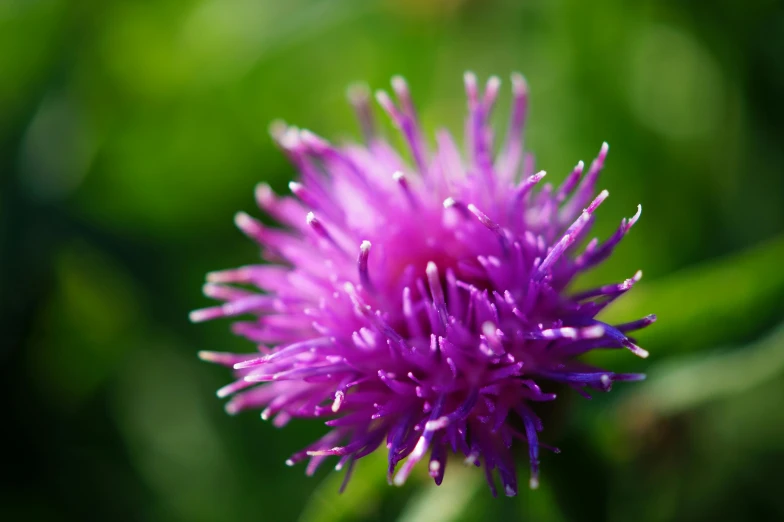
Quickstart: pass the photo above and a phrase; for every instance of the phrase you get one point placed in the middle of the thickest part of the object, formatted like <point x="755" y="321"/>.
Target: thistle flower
<point x="421" y="304"/>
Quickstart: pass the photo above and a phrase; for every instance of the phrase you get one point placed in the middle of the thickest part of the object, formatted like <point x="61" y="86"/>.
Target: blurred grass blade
<point x="364" y="491"/>
<point x="679" y="385"/>
<point x="446" y="502"/>
<point x="710" y="303"/>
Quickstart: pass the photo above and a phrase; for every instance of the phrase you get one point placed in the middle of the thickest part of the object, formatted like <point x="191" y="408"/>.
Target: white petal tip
<point x="249" y="363"/>
<point x="358" y="93"/>
<point x="218" y="277"/>
<point x="199" y="316"/>
<point x="242" y="219"/>
<point x="635" y="217"/>
<point x="594" y="332"/>
<point x="382" y="97"/>
<point x="519" y="84"/>
<point x="399" y="83"/>
<point x="639" y="352"/>
<point x="488" y="328"/>
<point x="206" y="356"/>
<point x="287" y="137"/>
<point x="277" y="128"/>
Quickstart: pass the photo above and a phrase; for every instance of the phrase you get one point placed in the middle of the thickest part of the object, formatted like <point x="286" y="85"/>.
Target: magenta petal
<point x="443" y="336"/>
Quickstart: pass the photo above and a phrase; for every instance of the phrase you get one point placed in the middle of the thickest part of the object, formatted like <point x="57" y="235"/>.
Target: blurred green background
<point x="132" y="130"/>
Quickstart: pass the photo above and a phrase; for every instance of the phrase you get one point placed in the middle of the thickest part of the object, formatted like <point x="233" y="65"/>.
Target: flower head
<point x="421" y="304"/>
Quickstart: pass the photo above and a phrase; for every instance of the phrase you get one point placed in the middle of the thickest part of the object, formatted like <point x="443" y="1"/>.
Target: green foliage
<point x="131" y="131"/>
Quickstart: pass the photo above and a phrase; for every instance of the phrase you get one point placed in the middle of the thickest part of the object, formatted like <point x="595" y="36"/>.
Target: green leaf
<point x="684" y="383"/>
<point x="710" y="303"/>
<point x="364" y="492"/>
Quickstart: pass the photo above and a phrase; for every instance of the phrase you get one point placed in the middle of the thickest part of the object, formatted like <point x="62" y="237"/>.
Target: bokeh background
<point x="131" y="131"/>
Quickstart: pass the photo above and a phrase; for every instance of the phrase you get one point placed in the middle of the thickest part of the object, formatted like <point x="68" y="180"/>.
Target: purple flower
<point x="421" y="304"/>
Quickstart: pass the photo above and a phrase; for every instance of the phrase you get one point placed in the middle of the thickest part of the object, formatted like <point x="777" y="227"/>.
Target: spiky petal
<point x="420" y="305"/>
